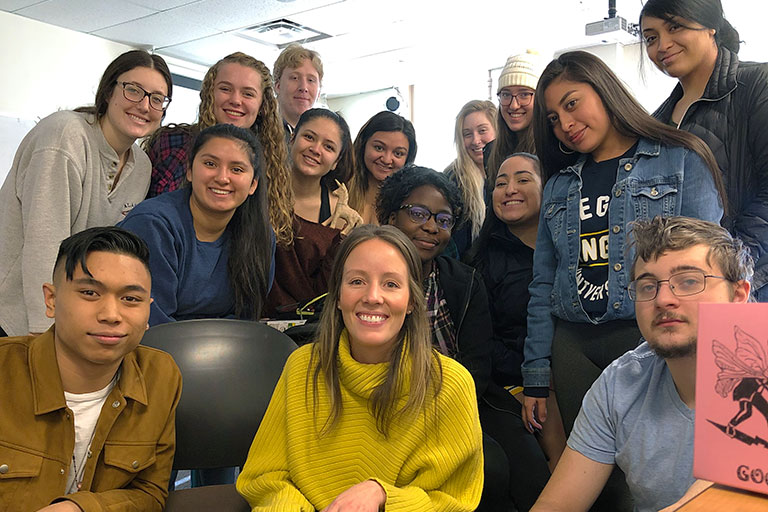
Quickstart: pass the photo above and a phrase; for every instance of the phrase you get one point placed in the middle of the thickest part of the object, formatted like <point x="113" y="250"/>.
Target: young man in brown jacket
<point x="86" y="414"/>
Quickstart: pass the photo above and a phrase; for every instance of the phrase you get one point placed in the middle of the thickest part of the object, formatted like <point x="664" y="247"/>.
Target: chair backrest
<point x="230" y="369"/>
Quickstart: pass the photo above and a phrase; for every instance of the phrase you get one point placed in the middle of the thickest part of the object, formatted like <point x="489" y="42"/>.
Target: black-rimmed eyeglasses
<point x="420" y="215"/>
<point x="523" y="98"/>
<point x="136" y="94"/>
<point x="681" y="284"/>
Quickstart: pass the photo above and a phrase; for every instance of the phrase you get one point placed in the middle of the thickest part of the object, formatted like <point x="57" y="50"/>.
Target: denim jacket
<point x="657" y="180"/>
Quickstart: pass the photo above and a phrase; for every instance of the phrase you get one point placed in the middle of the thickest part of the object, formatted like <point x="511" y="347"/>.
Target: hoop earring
<point x="563" y="151"/>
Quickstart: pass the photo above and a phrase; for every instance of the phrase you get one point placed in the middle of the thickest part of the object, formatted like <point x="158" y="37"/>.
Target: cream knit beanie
<point x="523" y="69"/>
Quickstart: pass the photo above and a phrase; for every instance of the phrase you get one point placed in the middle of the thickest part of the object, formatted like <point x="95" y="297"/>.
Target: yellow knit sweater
<point x="423" y="465"/>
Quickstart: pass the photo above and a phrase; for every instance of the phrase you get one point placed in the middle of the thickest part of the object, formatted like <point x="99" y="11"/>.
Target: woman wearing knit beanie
<point x="517" y="84"/>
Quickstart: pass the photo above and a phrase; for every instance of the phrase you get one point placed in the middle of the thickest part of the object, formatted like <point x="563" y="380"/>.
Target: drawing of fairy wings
<point x="749" y="360"/>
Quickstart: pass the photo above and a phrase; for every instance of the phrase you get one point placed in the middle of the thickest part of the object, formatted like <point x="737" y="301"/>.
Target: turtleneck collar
<point x="361" y="379"/>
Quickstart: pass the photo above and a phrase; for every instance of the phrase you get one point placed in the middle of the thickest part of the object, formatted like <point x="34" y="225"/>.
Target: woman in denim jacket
<point x="587" y="125"/>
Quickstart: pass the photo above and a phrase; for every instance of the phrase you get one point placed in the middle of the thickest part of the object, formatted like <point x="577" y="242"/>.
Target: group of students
<point x="535" y="260"/>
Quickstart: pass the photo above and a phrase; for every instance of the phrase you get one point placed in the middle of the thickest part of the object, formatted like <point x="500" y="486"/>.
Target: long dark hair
<point x="346" y="163"/>
<point x="708" y="13"/>
<point x="476" y="255"/>
<point x="384" y="121"/>
<point x="250" y="244"/>
<point x="627" y="116"/>
<point x="508" y="142"/>
<point x="122" y="64"/>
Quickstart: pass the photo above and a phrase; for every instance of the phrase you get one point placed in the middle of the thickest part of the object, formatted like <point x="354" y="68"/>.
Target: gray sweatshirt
<point x="60" y="184"/>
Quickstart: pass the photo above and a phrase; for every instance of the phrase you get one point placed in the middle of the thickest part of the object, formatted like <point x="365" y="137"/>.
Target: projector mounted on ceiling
<point x="614" y="29"/>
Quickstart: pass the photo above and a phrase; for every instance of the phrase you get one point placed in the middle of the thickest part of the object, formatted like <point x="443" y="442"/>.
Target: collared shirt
<point x="168" y="154"/>
<point x="133" y="445"/>
<point x="440" y="321"/>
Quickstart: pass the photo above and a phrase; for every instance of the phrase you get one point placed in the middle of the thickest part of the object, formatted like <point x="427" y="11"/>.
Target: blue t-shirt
<point x="633" y="417"/>
<point x="190" y="278"/>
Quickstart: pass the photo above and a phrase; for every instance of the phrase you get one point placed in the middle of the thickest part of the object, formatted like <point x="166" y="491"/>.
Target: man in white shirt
<point x="87" y="415"/>
<point x="639" y="413"/>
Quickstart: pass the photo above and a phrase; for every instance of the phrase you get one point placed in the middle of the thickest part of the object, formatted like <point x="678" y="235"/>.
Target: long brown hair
<point x="268" y="128"/>
<point x="250" y="247"/>
<point x="414" y="340"/>
<point x="507" y="143"/>
<point x="384" y="121"/>
<point x="122" y="64"/>
<point x="627" y="116"/>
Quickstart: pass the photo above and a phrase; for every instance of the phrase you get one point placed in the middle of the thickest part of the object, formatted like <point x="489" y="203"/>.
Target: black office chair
<point x="230" y="369"/>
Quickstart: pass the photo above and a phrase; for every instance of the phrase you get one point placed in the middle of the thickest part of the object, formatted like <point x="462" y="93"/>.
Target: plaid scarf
<point x="443" y="330"/>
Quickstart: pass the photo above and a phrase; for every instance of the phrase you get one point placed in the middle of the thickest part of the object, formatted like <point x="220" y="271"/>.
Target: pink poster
<point x="731" y="431"/>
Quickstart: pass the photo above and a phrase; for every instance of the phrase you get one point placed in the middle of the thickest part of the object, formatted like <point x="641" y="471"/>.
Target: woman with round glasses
<point x="237" y="90"/>
<point x="516" y="93"/>
<point x="426" y="206"/>
<point x="75" y="170"/>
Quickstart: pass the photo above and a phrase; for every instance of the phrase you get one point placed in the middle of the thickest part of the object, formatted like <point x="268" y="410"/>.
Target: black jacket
<point x="507" y="270"/>
<point x="467" y="300"/>
<point x="732" y="118"/>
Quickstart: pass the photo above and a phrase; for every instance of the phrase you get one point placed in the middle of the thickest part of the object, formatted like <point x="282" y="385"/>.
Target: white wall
<point x="44" y="69"/>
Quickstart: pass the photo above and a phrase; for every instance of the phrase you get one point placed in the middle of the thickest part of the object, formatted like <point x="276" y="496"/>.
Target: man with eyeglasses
<point x="639" y="414"/>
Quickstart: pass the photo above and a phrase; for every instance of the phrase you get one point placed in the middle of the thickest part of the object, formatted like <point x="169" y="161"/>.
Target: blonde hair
<point x="414" y="340"/>
<point x="471" y="183"/>
<point x="292" y="57"/>
<point x="271" y="134"/>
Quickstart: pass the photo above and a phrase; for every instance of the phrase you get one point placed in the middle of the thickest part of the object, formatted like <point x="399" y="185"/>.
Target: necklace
<point x="77" y="482"/>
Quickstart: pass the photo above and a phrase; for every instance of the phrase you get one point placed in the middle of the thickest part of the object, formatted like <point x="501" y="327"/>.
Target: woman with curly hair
<point x="384" y="144"/>
<point x="426" y="206"/>
<point x="237" y="90"/>
<point x="475" y="128"/>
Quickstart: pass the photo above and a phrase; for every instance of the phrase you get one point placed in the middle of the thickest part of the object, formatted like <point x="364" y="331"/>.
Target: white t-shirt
<point x="86" y="408"/>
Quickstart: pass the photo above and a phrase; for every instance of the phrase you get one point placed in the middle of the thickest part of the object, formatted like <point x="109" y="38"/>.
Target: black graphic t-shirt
<point x="598" y="179"/>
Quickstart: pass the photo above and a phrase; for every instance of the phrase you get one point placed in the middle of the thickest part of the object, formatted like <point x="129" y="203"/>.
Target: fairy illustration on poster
<point x="731" y="430"/>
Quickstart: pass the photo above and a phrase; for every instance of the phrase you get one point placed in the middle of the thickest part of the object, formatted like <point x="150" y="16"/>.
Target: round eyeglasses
<point x="420" y="215"/>
<point x="136" y="94"/>
<point x="523" y="98"/>
<point x="681" y="284"/>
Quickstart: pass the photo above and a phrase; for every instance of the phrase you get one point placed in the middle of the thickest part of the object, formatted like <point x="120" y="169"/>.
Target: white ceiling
<point x="375" y="43"/>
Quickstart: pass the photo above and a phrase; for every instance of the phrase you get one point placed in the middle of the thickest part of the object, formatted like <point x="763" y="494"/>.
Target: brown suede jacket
<point x="131" y="454"/>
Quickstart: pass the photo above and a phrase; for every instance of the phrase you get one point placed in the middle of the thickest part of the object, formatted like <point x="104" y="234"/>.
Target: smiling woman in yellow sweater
<point x="370" y="416"/>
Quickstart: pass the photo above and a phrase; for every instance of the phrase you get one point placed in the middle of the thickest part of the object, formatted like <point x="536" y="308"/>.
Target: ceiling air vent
<point x="281" y="33"/>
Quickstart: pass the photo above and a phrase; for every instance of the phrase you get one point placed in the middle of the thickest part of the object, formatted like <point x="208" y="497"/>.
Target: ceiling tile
<point x="162" y="5"/>
<point x="84" y="15"/>
<point x="223" y="16"/>
<point x="157" y="31"/>
<point x="12" y="5"/>
<point x="209" y="50"/>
